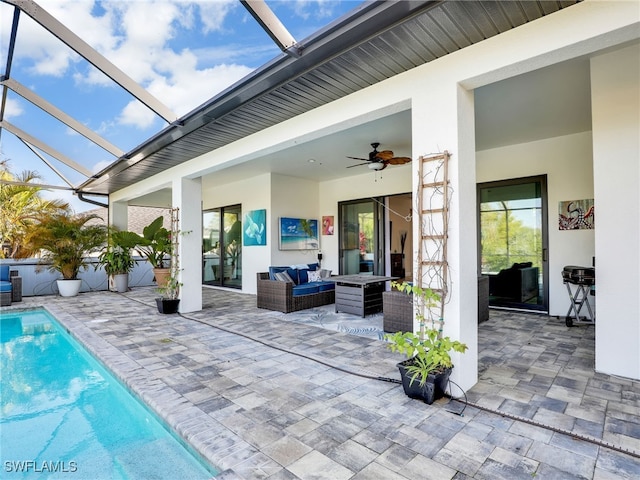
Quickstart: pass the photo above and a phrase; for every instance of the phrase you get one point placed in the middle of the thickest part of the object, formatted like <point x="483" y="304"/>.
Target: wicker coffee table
<point x="360" y="294"/>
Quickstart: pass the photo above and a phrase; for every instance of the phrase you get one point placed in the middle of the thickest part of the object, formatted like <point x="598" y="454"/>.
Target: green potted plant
<point x="64" y="240"/>
<point x="117" y="259"/>
<point x="426" y="370"/>
<point x="169" y="300"/>
<point x="155" y="245"/>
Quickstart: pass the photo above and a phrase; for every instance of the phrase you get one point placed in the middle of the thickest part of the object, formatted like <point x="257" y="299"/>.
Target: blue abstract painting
<point x="255" y="228"/>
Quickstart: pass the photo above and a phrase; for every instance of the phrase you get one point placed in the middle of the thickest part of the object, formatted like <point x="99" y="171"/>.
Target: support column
<point x="119" y="215"/>
<point x="187" y="196"/>
<point x="443" y="119"/>
<point x="615" y="103"/>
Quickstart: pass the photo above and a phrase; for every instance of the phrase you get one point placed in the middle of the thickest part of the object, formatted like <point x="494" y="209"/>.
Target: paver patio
<point x="260" y="397"/>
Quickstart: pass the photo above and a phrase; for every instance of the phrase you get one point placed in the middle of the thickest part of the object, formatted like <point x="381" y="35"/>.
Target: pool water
<point x="65" y="416"/>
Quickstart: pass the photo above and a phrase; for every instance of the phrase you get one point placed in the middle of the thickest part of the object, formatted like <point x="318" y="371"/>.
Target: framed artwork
<point x="576" y="215"/>
<point x="327" y="225"/>
<point x="298" y="234"/>
<point x="255" y="228"/>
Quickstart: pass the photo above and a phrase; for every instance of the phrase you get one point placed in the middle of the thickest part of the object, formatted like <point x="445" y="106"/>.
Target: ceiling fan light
<point x="376" y="166"/>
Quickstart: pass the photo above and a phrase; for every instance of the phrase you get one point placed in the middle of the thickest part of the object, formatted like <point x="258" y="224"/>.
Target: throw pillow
<point x="283" y="277"/>
<point x="314" y="276"/>
<point x="324" y="273"/>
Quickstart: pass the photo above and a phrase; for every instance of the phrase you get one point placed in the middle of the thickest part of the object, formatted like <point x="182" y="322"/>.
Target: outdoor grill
<point x="583" y="281"/>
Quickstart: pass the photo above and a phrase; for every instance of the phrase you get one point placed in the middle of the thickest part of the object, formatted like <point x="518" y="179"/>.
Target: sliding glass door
<point x="361" y="240"/>
<point x="222" y="247"/>
<point x="513" y="242"/>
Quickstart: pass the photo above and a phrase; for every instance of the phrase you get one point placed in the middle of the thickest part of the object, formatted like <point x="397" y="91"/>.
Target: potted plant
<point x="169" y="301"/>
<point x="64" y="241"/>
<point x="155" y="245"/>
<point x="170" y="290"/>
<point x="425" y="373"/>
<point x="117" y="259"/>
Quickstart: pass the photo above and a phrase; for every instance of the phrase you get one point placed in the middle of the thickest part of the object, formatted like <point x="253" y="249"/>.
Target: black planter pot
<point x="433" y="389"/>
<point x="167" y="305"/>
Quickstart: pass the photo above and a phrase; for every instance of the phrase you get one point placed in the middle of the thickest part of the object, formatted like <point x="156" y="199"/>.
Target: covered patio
<point x="262" y="397"/>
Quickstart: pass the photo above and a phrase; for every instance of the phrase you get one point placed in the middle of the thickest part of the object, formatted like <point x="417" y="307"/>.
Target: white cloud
<point x="12" y="108"/>
<point x="305" y="9"/>
<point x="137" y="115"/>
<point x="101" y="166"/>
<point x="214" y="13"/>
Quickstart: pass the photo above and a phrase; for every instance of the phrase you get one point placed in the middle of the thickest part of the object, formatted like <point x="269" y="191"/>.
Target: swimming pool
<point x="63" y="415"/>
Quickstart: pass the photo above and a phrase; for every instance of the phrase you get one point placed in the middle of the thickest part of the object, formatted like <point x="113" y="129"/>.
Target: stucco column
<point x="119" y="215"/>
<point x="615" y="102"/>
<point x="187" y="196"/>
<point x="443" y="119"/>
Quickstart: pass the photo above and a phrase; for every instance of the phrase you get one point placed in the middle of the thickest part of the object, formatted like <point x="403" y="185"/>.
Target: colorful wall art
<point x="576" y="215"/>
<point x="298" y="234"/>
<point x="327" y="225"/>
<point x="255" y="228"/>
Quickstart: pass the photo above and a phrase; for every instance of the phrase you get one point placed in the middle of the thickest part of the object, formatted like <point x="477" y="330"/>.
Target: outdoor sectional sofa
<point x="288" y="289"/>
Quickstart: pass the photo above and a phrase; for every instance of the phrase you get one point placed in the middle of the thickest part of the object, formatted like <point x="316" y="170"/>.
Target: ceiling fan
<point x="379" y="160"/>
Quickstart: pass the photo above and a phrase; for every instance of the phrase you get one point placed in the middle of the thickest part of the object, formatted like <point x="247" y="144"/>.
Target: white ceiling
<point x="545" y="103"/>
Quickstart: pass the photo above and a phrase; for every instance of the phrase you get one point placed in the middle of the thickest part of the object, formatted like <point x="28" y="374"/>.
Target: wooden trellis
<point x="433" y="199"/>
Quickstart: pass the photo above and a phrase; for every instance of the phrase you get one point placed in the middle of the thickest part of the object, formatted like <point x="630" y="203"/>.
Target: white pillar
<point x="119" y="215"/>
<point x="443" y="119"/>
<point x="615" y="103"/>
<point x="187" y="196"/>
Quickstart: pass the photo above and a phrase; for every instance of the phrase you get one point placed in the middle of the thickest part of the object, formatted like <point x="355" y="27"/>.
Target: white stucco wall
<point x="567" y="162"/>
<point x="615" y="78"/>
<point x="252" y="194"/>
<point x="294" y="198"/>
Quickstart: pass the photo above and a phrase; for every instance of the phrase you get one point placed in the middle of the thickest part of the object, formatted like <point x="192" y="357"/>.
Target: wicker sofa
<point x="298" y="294"/>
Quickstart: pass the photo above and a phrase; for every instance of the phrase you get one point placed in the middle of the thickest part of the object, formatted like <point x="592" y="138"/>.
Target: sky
<point x="183" y="52"/>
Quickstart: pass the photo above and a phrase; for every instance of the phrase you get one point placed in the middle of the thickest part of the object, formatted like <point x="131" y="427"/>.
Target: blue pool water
<point x="64" y="416"/>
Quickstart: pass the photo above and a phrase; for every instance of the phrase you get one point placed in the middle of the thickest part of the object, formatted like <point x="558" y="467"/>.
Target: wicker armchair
<point x="14" y="294"/>
<point x="276" y="295"/>
<point x="397" y="308"/>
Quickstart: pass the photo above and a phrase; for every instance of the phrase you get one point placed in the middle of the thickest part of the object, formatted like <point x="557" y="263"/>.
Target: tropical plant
<point x="429" y="354"/>
<point x="116" y="258"/>
<point x="64" y="240"/>
<point x="20" y="204"/>
<point x="155" y="243"/>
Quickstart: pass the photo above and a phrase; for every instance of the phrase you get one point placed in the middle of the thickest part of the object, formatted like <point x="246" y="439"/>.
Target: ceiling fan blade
<point x="358" y="164"/>
<point x="384" y="155"/>
<point x="399" y="160"/>
<point x="358" y="158"/>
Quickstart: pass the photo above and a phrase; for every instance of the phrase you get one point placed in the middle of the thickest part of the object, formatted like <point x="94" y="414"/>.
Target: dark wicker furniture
<point x="483" y="298"/>
<point x="397" y="308"/>
<point x="11" y="289"/>
<point x="276" y="295"/>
